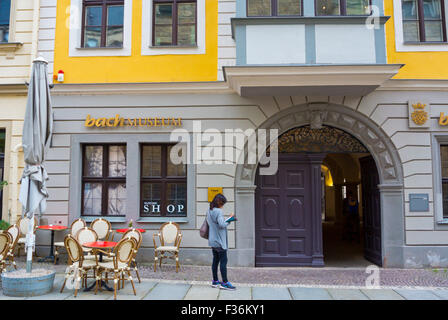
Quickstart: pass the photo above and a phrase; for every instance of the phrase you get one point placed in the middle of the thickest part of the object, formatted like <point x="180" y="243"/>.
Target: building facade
<point x="358" y="102"/>
<point x="19" y="25"/>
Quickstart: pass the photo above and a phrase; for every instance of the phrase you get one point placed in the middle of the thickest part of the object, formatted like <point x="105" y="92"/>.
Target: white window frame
<point x="401" y="46"/>
<point x="12" y="22"/>
<point x="75" y="48"/>
<point x="149" y="50"/>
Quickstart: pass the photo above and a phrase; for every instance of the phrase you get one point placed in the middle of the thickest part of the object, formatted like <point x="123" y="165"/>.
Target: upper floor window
<point x="5" y="10"/>
<point x="174" y="23"/>
<point x="261" y="8"/>
<point x="424" y="20"/>
<point x="102" y="23"/>
<point x="342" y="7"/>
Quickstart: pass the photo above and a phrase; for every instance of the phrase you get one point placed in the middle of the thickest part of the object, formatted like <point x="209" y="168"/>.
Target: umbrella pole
<point x="29" y="246"/>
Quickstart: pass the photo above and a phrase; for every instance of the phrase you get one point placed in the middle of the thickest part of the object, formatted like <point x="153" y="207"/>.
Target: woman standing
<point x="217" y="239"/>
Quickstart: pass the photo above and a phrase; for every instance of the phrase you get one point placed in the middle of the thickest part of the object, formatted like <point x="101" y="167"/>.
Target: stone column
<point x="392" y="224"/>
<point x="245" y="226"/>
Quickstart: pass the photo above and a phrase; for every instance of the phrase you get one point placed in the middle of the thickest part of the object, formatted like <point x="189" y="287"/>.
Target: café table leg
<point x="102" y="283"/>
<point x="51" y="255"/>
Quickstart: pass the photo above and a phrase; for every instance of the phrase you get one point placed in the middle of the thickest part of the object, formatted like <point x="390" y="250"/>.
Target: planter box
<point x="16" y="286"/>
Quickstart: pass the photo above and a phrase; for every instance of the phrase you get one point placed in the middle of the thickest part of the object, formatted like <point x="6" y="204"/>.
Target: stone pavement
<point x="150" y="289"/>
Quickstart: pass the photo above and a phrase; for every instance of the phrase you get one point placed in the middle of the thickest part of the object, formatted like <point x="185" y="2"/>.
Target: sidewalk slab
<point x="241" y="293"/>
<point x="412" y="294"/>
<point x="269" y="293"/>
<point x="198" y="292"/>
<point x="310" y="294"/>
<point x="167" y="291"/>
<point x="141" y="290"/>
<point x="382" y="294"/>
<point x="347" y="294"/>
<point x="442" y="293"/>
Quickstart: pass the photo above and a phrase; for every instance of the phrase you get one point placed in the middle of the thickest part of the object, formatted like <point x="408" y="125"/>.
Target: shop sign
<point x="419" y="114"/>
<point x="118" y="121"/>
<point x="212" y="192"/>
<point x="153" y="207"/>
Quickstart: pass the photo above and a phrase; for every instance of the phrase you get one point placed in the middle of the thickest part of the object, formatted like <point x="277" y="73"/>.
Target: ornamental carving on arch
<point x="326" y="139"/>
<point x="335" y="118"/>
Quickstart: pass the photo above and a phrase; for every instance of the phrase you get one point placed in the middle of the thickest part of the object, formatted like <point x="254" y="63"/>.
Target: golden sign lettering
<point x="118" y="121"/>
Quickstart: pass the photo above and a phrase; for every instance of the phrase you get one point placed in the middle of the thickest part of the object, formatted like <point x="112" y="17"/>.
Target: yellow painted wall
<point x="418" y="65"/>
<point x="137" y="68"/>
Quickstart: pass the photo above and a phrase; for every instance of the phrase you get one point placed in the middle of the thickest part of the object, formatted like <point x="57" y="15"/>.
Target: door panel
<point x="283" y="216"/>
<point x="371" y="210"/>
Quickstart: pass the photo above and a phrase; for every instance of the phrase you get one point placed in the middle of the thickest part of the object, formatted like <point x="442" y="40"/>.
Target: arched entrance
<point x="293" y="224"/>
<point x="384" y="155"/>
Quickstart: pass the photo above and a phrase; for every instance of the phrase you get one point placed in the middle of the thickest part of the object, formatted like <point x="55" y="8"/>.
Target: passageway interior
<point x="341" y="175"/>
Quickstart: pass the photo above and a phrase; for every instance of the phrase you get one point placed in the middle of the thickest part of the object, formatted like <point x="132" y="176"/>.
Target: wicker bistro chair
<point x="169" y="237"/>
<point x="5" y="244"/>
<point x="84" y="235"/>
<point x="76" y="225"/>
<point x="137" y="236"/>
<point x="14" y="232"/>
<point x="23" y="226"/>
<point x="102" y="227"/>
<point x="78" y="265"/>
<point x="120" y="265"/>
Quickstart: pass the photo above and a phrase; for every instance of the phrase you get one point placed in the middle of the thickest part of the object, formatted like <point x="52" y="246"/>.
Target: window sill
<point x="410" y="43"/>
<point x="162" y="219"/>
<point x="110" y="219"/>
<point x="99" y="48"/>
<point x="444" y="221"/>
<point x="10" y="48"/>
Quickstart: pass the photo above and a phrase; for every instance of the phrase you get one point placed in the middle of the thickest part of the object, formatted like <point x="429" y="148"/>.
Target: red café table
<point x="95" y="246"/>
<point x="52" y="228"/>
<point x="127" y="229"/>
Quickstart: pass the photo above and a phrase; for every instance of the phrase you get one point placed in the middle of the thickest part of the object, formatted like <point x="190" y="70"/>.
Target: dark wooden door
<point x="371" y="210"/>
<point x="283" y="219"/>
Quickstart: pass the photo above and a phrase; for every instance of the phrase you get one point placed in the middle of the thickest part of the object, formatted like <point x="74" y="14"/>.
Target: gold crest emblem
<point x="419" y="116"/>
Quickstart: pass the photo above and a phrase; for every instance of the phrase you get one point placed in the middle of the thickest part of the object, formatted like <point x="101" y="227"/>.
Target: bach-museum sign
<point x="119" y="121"/>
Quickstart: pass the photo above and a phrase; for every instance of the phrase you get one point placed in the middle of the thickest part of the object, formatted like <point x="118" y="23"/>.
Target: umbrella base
<point x="46" y="259"/>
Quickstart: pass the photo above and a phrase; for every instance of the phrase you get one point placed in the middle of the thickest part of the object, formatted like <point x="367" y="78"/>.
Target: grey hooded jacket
<point x="217" y="235"/>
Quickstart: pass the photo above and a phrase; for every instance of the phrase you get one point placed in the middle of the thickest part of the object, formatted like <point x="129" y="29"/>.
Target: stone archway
<point x="374" y="139"/>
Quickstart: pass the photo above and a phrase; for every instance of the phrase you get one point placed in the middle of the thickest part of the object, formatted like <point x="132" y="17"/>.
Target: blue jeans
<point x="219" y="257"/>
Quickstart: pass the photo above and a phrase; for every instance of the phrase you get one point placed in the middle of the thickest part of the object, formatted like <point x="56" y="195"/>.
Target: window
<point x="102" y="24"/>
<point x="342" y="7"/>
<point x="444" y="165"/>
<point x="260" y="8"/>
<point x="163" y="183"/>
<point x="174" y="23"/>
<point x="5" y="10"/>
<point x="424" y="21"/>
<point x="104" y="180"/>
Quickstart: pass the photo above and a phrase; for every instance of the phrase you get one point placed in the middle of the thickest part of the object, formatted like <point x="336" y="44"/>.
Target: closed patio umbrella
<point x="37" y="131"/>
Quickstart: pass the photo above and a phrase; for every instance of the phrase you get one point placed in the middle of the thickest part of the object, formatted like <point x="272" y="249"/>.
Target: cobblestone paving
<point x="317" y="277"/>
<point x="162" y="290"/>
